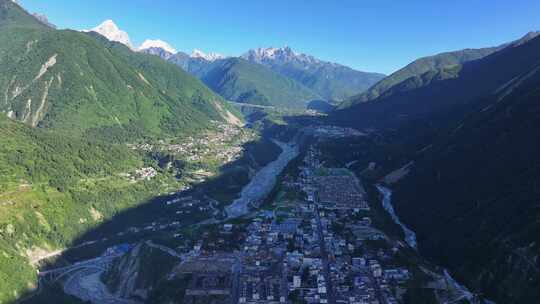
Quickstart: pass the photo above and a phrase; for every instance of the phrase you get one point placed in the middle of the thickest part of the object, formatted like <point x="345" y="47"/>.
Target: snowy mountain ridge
<point x="157" y="43"/>
<point x="110" y="30"/>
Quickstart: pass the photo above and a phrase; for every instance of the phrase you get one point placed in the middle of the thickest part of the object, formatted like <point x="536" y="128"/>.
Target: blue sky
<point x="370" y="35"/>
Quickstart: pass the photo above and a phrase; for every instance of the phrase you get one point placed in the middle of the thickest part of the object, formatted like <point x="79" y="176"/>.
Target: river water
<point x="410" y="236"/>
<point x="410" y="239"/>
<point x="263" y="182"/>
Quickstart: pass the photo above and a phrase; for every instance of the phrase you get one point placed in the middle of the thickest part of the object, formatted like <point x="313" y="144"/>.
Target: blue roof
<point x="124" y="248"/>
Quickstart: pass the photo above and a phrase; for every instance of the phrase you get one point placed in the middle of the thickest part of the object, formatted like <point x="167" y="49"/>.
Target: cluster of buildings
<point x="182" y="210"/>
<point x="201" y="156"/>
<point x="222" y="144"/>
<point x="319" y="246"/>
<point x="340" y="192"/>
<point x="335" y="132"/>
<point x="142" y="174"/>
<point x="189" y="205"/>
<point x="210" y="278"/>
<point x="335" y="258"/>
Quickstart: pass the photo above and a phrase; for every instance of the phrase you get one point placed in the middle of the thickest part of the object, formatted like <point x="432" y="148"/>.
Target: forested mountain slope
<point x="434" y="91"/>
<point x="417" y="68"/>
<point x="53" y="188"/>
<point x="82" y="83"/>
<point x="473" y="190"/>
<point x="413" y="75"/>
<point x="473" y="196"/>
<point x="242" y="81"/>
<point x="70" y="102"/>
<point x="329" y="80"/>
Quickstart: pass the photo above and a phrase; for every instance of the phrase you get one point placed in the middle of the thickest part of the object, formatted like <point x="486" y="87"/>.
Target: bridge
<point x="240" y="104"/>
<point x="101" y="263"/>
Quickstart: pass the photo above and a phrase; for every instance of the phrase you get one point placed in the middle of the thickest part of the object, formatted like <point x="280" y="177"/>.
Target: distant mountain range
<point x="311" y="78"/>
<point x="307" y="77"/>
<point x="331" y="81"/>
<point x="239" y="80"/>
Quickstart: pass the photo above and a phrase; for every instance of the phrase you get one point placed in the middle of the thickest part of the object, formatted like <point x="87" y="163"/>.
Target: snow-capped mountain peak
<point x="280" y="55"/>
<point x="273" y="52"/>
<point x="110" y="30"/>
<point x="209" y="57"/>
<point x="149" y="43"/>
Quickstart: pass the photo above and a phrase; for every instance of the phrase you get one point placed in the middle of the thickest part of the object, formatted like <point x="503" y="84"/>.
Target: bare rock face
<point x="43" y="18"/>
<point x="157" y="51"/>
<point x="141" y="271"/>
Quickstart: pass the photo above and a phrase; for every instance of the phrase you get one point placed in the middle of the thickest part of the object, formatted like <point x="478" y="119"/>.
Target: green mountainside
<point x="436" y="91"/>
<point x="70" y="102"/>
<point x="466" y="122"/>
<point x="242" y="81"/>
<point x="53" y="188"/>
<point x="11" y="15"/>
<point x="331" y="81"/>
<point x="421" y="71"/>
<point x="415" y="70"/>
<point x="289" y="83"/>
<point x="245" y="82"/>
<point x="197" y="67"/>
<point x="472" y="193"/>
<point x="84" y="84"/>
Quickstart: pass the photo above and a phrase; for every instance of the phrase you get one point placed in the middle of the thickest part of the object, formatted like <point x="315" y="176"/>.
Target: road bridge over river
<point x="99" y="263"/>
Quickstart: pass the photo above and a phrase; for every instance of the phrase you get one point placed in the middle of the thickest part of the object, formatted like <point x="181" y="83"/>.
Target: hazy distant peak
<point x="110" y="30"/>
<point x="272" y="51"/>
<point x="149" y="43"/>
<point x="281" y="55"/>
<point x="209" y="57"/>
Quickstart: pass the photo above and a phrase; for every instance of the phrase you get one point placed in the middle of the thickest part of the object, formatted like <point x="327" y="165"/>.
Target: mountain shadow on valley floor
<point x="162" y="218"/>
